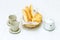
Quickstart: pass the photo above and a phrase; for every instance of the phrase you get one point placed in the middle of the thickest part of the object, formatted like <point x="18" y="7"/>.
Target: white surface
<point x="48" y="8"/>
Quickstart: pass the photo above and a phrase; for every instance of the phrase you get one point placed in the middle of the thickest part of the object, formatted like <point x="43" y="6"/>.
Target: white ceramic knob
<point x="49" y="24"/>
<point x="13" y="24"/>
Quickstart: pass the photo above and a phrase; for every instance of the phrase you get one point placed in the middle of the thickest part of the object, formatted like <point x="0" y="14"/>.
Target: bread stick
<point x="29" y="15"/>
<point x="31" y="11"/>
<point x="25" y="15"/>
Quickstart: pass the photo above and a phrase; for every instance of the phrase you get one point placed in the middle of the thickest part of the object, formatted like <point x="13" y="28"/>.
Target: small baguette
<point x="25" y="15"/>
<point x="29" y="15"/>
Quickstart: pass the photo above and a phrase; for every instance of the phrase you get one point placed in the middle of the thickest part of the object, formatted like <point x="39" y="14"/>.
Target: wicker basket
<point x="30" y="24"/>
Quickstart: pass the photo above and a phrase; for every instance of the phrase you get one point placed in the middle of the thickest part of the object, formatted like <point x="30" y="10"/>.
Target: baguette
<point x="29" y="14"/>
<point x="25" y="15"/>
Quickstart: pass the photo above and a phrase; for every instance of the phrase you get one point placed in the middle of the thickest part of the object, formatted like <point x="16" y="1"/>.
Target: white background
<point x="48" y="8"/>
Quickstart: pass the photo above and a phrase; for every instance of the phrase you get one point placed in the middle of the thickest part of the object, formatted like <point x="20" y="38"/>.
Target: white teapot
<point x="49" y="24"/>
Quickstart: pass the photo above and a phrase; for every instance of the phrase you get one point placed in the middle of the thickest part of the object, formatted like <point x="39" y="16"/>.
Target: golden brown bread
<point x="29" y="16"/>
<point x="37" y="18"/>
<point x="25" y="15"/>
